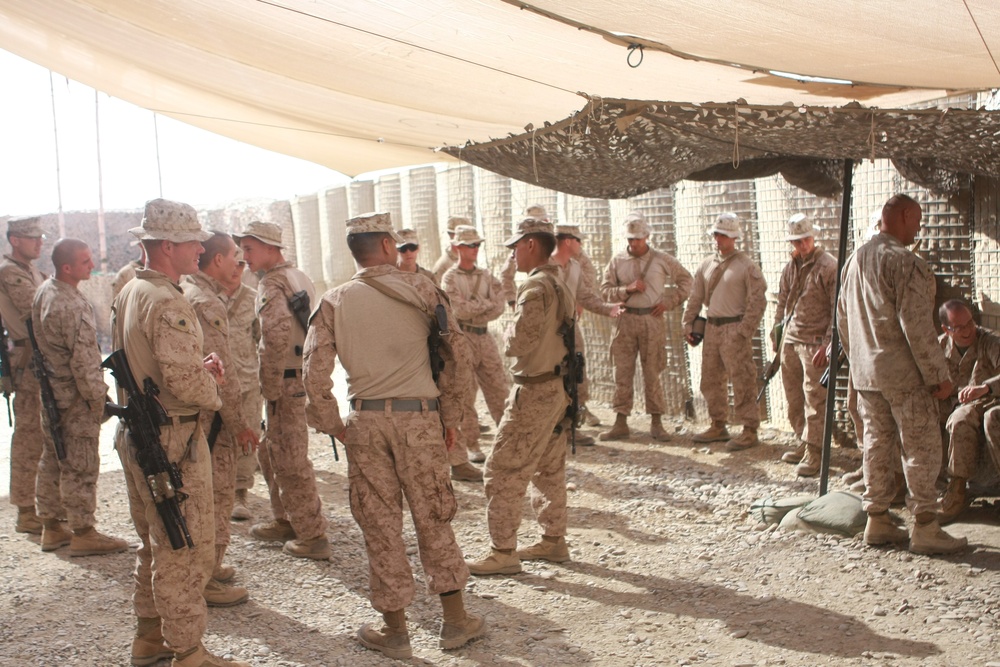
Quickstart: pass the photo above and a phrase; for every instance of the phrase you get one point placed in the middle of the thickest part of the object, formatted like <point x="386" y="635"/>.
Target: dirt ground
<point x="667" y="569"/>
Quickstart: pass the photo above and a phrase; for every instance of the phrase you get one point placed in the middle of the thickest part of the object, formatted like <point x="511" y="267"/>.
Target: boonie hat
<point x="636" y="226"/>
<point x="466" y="235"/>
<point x="529" y="226"/>
<point x="370" y="223"/>
<point x="165" y="220"/>
<point x="800" y="226"/>
<point x="727" y="224"/>
<point x="407" y="236"/>
<point x="537" y="211"/>
<point x="456" y="221"/>
<point x="265" y="232"/>
<point x="30" y="227"/>
<point x="570" y="230"/>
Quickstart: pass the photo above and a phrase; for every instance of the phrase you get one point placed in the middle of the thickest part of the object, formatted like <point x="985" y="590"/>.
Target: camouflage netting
<point x="621" y="148"/>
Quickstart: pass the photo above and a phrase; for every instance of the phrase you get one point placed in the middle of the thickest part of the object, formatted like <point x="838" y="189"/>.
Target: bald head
<point x="901" y="217"/>
<point x="73" y="261"/>
<point x="64" y="251"/>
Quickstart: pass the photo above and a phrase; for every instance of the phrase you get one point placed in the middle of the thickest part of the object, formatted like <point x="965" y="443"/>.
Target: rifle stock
<point x="6" y="374"/>
<point x="52" y="416"/>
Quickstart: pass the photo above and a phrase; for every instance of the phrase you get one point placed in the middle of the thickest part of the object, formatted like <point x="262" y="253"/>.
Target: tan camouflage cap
<point x="636" y="226"/>
<point x="570" y="230"/>
<point x="530" y="226"/>
<point x="457" y="221"/>
<point x="407" y="236"/>
<point x="537" y="211"/>
<point x="369" y="223"/>
<point x="466" y="235"/>
<point x="727" y="224"/>
<point x="165" y="220"/>
<point x="30" y="227"/>
<point x="800" y="226"/>
<point x="265" y="232"/>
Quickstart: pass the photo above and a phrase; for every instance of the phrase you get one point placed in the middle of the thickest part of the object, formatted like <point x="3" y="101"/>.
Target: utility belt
<point x="535" y="379"/>
<point x="468" y="328"/>
<point x="20" y="343"/>
<point x="292" y="373"/>
<point x="395" y="404"/>
<point x="185" y="419"/>
<point x="638" y="311"/>
<point x="719" y="321"/>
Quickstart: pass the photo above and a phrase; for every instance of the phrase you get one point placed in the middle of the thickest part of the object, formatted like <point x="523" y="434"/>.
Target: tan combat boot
<point x="926" y="537"/>
<point x="218" y="594"/>
<point x="223" y="573"/>
<point x="745" y="440"/>
<point x="466" y="472"/>
<point x="148" y="647"/>
<point x="880" y="529"/>
<point x="391" y="640"/>
<point x="552" y="549"/>
<point x="810" y="464"/>
<point x="278" y="530"/>
<point x="55" y="534"/>
<point x="28" y="521"/>
<point x="717" y="432"/>
<point x="589" y="418"/>
<point x="955" y="500"/>
<point x="476" y="455"/>
<point x="240" y="510"/>
<point x="619" y="431"/>
<point x="458" y="626"/>
<point x="656" y="429"/>
<point x="199" y="657"/>
<point x="89" y="542"/>
<point x="498" y="562"/>
<point x="794" y="455"/>
<point x="318" y="548"/>
<point x="853" y="477"/>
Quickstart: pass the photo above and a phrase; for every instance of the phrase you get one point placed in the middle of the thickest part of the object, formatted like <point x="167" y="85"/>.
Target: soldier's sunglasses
<point x="472" y="245"/>
<point x="408" y="247"/>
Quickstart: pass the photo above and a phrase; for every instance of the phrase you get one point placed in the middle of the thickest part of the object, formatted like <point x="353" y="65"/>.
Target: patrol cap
<point x="800" y="226"/>
<point x="537" y="211"/>
<point x="268" y="233"/>
<point x="407" y="236"/>
<point x="636" y="226"/>
<point x="570" y="230"/>
<point x="165" y="220"/>
<point x="457" y="221"/>
<point x="29" y="227"/>
<point x="529" y="226"/>
<point x="466" y="235"/>
<point x="370" y="223"/>
<point x="727" y="224"/>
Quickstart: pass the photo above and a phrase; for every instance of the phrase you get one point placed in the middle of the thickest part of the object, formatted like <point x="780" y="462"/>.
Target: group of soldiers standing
<point x="217" y="353"/>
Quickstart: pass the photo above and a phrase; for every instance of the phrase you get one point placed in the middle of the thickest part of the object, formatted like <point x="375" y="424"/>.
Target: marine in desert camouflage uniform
<point x="408" y="249"/>
<point x="393" y="434"/>
<point x="448" y="258"/>
<point x="127" y="272"/>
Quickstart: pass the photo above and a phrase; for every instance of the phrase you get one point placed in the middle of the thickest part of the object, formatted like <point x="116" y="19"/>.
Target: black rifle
<point x="572" y="370"/>
<point x="52" y="417"/>
<point x="299" y="305"/>
<point x="824" y="379"/>
<point x="214" y="430"/>
<point x="143" y="416"/>
<point x="434" y="341"/>
<point x="775" y="365"/>
<point x="6" y="375"/>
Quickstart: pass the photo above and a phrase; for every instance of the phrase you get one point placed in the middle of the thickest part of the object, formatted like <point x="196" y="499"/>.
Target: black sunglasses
<point x="408" y="247"/>
<point x="472" y="245"/>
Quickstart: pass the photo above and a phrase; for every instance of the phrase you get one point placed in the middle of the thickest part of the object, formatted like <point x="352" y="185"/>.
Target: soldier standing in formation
<point x="66" y="331"/>
<point x="127" y="272"/>
<point x="638" y="278"/>
<point x="159" y="332"/>
<point x="393" y="435"/>
<point x="732" y="289"/>
<point x="408" y="247"/>
<point x="285" y="297"/>
<point x="807" y="294"/>
<point x="449" y="257"/>
<point x="477" y="299"/>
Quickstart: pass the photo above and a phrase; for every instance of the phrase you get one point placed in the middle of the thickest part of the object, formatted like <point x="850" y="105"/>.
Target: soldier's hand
<point x="821" y="358"/>
<point x="247" y="439"/>
<point x="971" y="393"/>
<point x="616" y="310"/>
<point x="637" y="286"/>
<point x="213" y="364"/>
<point x="943" y="390"/>
<point x="6" y="386"/>
<point x="689" y="337"/>
<point x="450" y="437"/>
<point x="658" y="310"/>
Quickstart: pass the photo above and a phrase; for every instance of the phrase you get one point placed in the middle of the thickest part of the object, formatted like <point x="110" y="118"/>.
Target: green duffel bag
<point x="771" y="511"/>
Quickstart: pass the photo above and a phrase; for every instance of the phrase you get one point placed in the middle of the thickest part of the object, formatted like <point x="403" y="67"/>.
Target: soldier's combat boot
<point x="717" y="432"/>
<point x="458" y="626"/>
<point x="794" y="455"/>
<point x="498" y="562"/>
<point x="656" y="429"/>
<point x="55" y="534"/>
<point x="240" y="510"/>
<point x="318" y="548"/>
<point x="619" y="431"/>
<point x="476" y="455"/>
<point x="583" y="440"/>
<point x="28" y="521"/>
<point x="89" y="542"/>
<point x="926" y="537"/>
<point x="199" y="657"/>
<point x="955" y="501"/>
<point x="880" y="529"/>
<point x="745" y="440"/>
<point x="279" y="530"/>
<point x="589" y="418"/>
<point x="222" y="573"/>
<point x="853" y="477"/>
<point x="552" y="549"/>
<point x="809" y="466"/>
<point x="217" y="594"/>
<point x="148" y="647"/>
<point x="391" y="640"/>
<point x="466" y="472"/>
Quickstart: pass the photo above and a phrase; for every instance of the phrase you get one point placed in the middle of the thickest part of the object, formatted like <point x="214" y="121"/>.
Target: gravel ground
<point x="667" y="569"/>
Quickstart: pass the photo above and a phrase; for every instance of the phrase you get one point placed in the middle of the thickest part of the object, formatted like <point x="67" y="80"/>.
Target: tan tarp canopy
<point x="362" y="85"/>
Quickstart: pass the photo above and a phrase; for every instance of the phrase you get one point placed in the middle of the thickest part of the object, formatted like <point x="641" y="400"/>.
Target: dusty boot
<point x="223" y="573"/>
<point x="148" y="646"/>
<point x="498" y="562"/>
<point x="619" y="431"/>
<point x="656" y="429"/>
<point x="458" y="626"/>
<point x="589" y="418"/>
<point x="89" y="542"/>
<point x="391" y="640"/>
<point x="240" y="510"/>
<point x="583" y="440"/>
<point x="853" y="477"/>
<point x="955" y="501"/>
<point x="881" y="530"/>
<point x="715" y="433"/>
<point x="795" y="455"/>
<point x="745" y="440"/>
<point x="926" y="537"/>
<point x="552" y="549"/>
<point x="55" y="534"/>
<point x="466" y="472"/>
<point x="199" y="657"/>
<point x="217" y="594"/>
<point x="317" y="548"/>
<point x="809" y="466"/>
<point x="279" y="530"/>
<point x="476" y="455"/>
<point x="28" y="521"/>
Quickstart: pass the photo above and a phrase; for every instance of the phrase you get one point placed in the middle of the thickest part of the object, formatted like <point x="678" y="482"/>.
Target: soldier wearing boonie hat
<point x="448" y="257"/>
<point x="509" y="269"/>
<point x="285" y="298"/>
<point x="806" y="298"/>
<point x="19" y="279"/>
<point x="408" y="247"/>
<point x="477" y="299"/>
<point x="647" y="283"/>
<point x="162" y="338"/>
<point x="732" y="290"/>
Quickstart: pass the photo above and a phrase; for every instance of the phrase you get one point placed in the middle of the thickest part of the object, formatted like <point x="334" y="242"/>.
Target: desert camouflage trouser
<point x="75" y="492"/>
<point x="246" y="464"/>
<point x="494" y="381"/>
<point x="970" y="427"/>
<point x="27" y="443"/>
<point x="805" y="395"/>
<point x="727" y="356"/>
<point x="645" y="336"/>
